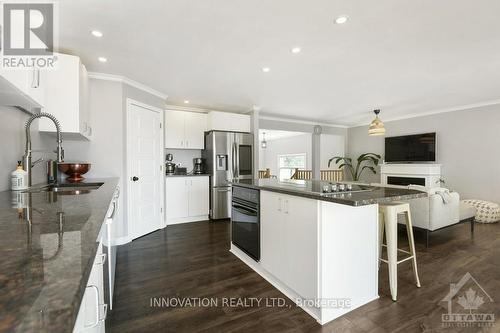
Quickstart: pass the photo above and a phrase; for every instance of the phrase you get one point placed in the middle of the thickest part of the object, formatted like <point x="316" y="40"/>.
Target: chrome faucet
<point x="27" y="165"/>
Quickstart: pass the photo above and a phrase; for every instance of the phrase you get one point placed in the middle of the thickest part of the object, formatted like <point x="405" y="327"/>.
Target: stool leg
<point x="411" y="241"/>
<point x="381" y="224"/>
<point x="391" y="234"/>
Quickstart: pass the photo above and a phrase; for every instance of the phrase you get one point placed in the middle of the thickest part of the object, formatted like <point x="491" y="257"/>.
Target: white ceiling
<point x="272" y="135"/>
<point x="405" y="57"/>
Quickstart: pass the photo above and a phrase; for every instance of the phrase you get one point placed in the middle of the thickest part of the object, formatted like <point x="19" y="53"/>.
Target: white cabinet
<point x="66" y="97"/>
<point x="225" y="121"/>
<point x="177" y="198"/>
<point x="187" y="199"/>
<point x="92" y="314"/>
<point x="30" y="83"/>
<point x="185" y="130"/>
<point x="289" y="242"/>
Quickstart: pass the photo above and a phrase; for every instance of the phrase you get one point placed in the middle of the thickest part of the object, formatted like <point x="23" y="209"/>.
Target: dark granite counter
<point x="47" y="247"/>
<point x="311" y="189"/>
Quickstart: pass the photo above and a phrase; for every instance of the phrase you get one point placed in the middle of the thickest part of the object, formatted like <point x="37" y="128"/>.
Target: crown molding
<point x="300" y="121"/>
<point x="438" y="111"/>
<point x="126" y="80"/>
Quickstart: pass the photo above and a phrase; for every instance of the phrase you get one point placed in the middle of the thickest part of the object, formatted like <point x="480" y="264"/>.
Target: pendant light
<point x="264" y="142"/>
<point x="376" y="126"/>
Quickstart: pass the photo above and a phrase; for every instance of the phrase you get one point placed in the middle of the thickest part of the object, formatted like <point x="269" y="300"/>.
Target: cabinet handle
<point x="182" y="143"/>
<point x="103" y="260"/>
<point x="35" y="82"/>
<point x="96" y="308"/>
<point x="105" y="307"/>
<point x="279" y="207"/>
<point x="286" y="206"/>
<point x="187" y="143"/>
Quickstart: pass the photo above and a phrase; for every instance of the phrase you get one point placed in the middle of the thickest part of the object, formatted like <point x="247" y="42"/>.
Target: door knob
<point x="135" y="178"/>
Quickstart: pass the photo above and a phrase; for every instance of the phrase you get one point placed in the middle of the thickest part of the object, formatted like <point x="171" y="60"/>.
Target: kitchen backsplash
<point x="184" y="156"/>
<point x="12" y="139"/>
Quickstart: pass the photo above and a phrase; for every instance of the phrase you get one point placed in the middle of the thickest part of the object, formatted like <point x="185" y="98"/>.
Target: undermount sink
<point x="67" y="188"/>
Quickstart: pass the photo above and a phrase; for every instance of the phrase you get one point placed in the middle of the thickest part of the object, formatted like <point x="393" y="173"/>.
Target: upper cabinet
<point x="185" y="130"/>
<point x="23" y="88"/>
<point x="66" y="97"/>
<point x="224" y="121"/>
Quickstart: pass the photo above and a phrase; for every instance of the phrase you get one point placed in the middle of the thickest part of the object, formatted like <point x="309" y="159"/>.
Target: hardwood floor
<point x="192" y="261"/>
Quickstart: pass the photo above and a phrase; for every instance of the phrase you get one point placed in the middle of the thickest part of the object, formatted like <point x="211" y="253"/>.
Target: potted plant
<point x="364" y="161"/>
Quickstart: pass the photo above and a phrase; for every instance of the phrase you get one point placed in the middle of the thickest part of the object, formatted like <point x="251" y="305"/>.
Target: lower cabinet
<point x="98" y="296"/>
<point x="92" y="314"/>
<point x="289" y="241"/>
<point x="187" y="199"/>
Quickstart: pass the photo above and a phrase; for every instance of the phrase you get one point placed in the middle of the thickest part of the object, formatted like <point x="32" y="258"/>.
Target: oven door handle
<point x="244" y="210"/>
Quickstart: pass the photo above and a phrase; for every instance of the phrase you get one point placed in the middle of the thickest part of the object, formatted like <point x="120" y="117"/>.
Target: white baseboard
<point x="187" y="219"/>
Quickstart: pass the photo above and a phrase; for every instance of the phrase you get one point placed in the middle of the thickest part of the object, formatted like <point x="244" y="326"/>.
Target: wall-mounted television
<point x="411" y="148"/>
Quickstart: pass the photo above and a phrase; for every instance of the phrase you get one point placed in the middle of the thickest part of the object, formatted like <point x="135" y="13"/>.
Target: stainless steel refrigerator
<point x="228" y="156"/>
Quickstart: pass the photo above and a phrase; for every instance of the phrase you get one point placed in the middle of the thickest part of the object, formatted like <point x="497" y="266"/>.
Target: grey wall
<point x="12" y="140"/>
<point x="468" y="147"/>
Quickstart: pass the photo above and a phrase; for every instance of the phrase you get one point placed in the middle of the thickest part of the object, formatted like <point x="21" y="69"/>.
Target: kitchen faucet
<point x="27" y="165"/>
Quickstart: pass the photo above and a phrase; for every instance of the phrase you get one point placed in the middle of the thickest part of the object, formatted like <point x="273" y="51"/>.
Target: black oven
<point x="245" y="221"/>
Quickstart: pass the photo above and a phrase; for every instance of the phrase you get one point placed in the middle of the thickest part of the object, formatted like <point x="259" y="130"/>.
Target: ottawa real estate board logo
<point x="27" y="35"/>
<point x="469" y="305"/>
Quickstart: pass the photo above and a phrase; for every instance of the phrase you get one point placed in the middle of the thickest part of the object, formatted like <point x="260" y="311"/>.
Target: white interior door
<point x="145" y="175"/>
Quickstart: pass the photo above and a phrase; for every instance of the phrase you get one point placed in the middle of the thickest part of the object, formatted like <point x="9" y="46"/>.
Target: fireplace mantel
<point x="430" y="172"/>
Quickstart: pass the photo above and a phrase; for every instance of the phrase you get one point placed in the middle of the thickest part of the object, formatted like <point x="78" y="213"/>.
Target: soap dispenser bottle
<point x="19" y="178"/>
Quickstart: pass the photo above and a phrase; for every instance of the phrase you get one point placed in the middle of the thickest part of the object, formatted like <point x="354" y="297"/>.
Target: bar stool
<point x="388" y="220"/>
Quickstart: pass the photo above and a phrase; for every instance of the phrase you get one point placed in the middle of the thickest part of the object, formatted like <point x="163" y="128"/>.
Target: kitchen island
<point x="320" y="249"/>
<point x="49" y="242"/>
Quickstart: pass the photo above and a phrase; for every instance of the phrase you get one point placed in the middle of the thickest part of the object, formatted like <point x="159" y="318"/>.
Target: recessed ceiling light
<point x="96" y="33"/>
<point x="186" y="102"/>
<point x="102" y="59"/>
<point x="266" y="69"/>
<point x="341" y="19"/>
<point x="296" y="50"/>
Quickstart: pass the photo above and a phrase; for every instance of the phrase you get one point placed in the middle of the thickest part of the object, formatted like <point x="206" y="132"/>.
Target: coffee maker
<point x="198" y="166"/>
<point x="169" y="165"/>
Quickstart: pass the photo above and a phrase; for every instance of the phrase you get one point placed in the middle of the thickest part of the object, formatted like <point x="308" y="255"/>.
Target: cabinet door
<point x="31" y="82"/>
<point x="62" y="94"/>
<point x="174" y="129"/>
<point x="195" y="127"/>
<point x="198" y="196"/>
<point x="301" y="244"/>
<point x="85" y="124"/>
<point x="225" y="121"/>
<point x="177" y="197"/>
<point x="272" y="234"/>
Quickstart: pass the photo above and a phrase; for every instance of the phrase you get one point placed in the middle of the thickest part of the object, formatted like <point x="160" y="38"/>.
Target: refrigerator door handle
<point x="233" y="160"/>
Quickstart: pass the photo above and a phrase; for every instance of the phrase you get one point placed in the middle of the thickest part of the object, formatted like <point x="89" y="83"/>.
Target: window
<point x="289" y="162"/>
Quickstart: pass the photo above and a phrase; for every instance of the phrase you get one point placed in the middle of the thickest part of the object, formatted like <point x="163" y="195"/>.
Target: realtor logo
<point x="464" y="302"/>
<point x="28" y="29"/>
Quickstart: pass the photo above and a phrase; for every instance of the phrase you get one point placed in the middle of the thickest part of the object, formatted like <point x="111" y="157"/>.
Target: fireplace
<point x="427" y="175"/>
<point x="405" y="181"/>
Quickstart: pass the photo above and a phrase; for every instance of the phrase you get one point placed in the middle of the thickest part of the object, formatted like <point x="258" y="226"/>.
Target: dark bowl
<point x="74" y="170"/>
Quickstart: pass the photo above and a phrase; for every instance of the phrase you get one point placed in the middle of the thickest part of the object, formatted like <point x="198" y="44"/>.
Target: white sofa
<point x="432" y="213"/>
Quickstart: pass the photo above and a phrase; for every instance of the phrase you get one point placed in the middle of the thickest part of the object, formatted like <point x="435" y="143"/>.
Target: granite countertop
<point x="43" y="270"/>
<point x="307" y="189"/>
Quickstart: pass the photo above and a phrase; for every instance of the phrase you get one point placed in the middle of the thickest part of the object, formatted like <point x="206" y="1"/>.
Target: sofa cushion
<point x="466" y="211"/>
